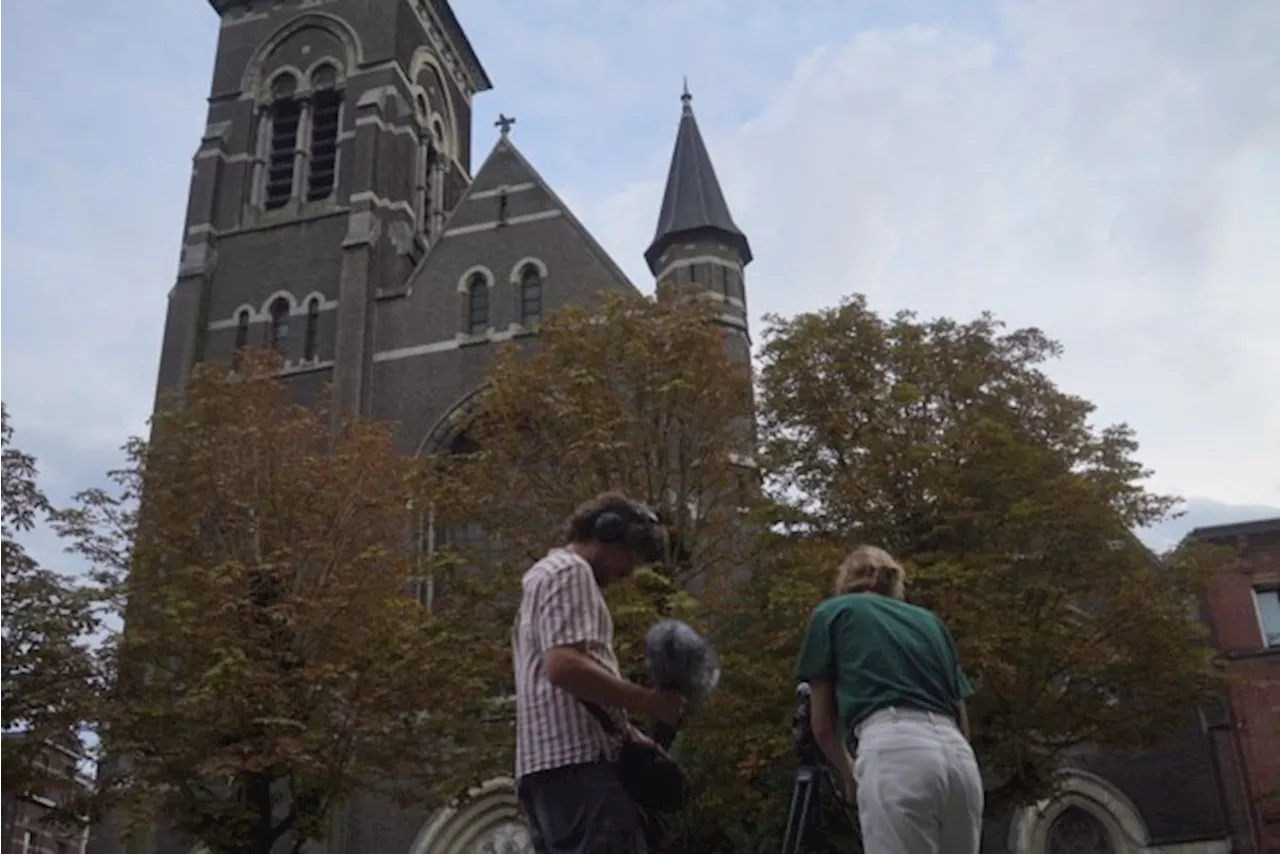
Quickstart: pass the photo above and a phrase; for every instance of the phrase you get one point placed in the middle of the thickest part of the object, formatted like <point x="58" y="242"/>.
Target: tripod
<point x="805" y="796"/>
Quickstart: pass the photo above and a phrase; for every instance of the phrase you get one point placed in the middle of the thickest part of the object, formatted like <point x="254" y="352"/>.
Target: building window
<point x="1268" y="604"/>
<point x="326" y="109"/>
<point x="1076" y="831"/>
<point x="429" y="184"/>
<point x="279" y="332"/>
<point x="530" y="295"/>
<point x="313" y="326"/>
<point x="477" y="305"/>
<point x="242" y="329"/>
<point x="286" y="118"/>
<point x="428" y="164"/>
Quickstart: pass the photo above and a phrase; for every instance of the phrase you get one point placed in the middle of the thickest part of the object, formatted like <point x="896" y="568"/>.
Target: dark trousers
<point x="580" y="809"/>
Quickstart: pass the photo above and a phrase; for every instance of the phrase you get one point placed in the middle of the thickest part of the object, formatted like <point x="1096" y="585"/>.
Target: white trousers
<point x="919" y="790"/>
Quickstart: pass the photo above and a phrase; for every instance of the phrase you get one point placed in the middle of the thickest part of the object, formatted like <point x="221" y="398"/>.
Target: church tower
<point x="697" y="242"/>
<point x="337" y="143"/>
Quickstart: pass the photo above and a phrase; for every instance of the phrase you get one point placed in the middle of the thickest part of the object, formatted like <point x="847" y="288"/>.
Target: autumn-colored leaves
<point x="275" y="576"/>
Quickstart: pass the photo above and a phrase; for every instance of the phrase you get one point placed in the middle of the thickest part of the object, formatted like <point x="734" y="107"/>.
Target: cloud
<point x="1106" y="171"/>
<point x="1202" y="513"/>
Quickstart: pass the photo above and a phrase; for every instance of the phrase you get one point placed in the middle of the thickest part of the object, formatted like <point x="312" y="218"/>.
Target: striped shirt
<point x="560" y="604"/>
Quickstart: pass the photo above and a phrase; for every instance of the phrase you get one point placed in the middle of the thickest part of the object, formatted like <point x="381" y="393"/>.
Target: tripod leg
<point x="801" y="804"/>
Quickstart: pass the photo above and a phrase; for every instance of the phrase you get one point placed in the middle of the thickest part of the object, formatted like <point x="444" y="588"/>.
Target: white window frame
<point x="1258" y="593"/>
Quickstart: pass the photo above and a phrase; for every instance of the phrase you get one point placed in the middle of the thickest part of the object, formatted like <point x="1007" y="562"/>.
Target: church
<point x="335" y="216"/>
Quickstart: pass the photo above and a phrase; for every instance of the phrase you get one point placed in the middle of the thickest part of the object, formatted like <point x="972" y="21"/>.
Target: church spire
<point x="693" y="206"/>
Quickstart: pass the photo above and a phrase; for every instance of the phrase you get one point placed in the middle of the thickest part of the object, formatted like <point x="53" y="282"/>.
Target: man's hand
<point x="638" y="736"/>
<point x="663" y="705"/>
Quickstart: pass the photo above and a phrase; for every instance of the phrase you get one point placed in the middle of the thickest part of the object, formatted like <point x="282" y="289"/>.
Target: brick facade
<point x="1237" y="607"/>
<point x="25" y="826"/>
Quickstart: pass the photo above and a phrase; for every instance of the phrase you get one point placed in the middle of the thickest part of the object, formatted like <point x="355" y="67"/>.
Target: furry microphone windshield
<point x="681" y="660"/>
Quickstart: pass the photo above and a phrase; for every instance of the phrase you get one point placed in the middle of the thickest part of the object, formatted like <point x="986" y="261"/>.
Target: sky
<point x="1105" y="170"/>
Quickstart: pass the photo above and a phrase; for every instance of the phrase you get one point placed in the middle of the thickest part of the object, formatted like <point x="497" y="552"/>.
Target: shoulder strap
<point x="602" y="716"/>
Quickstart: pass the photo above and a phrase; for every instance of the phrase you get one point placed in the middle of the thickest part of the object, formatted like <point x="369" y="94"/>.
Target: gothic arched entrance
<point x="487" y="821"/>
<point x="1077" y="831"/>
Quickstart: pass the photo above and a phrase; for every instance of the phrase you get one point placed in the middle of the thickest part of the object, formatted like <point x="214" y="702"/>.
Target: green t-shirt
<point x="881" y="652"/>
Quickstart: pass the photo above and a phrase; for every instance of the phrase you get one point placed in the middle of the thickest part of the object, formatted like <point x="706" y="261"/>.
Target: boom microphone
<point x="679" y="659"/>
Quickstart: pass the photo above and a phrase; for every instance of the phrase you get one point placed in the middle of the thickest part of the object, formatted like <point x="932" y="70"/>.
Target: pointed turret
<point x="697" y="243"/>
<point x="693" y="207"/>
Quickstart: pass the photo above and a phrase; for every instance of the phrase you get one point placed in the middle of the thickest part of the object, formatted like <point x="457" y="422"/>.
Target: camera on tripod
<point x="806" y="793"/>
<point x="807" y="750"/>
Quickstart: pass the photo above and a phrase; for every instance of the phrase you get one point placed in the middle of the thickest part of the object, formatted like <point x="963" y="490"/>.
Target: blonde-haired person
<point x="886" y="673"/>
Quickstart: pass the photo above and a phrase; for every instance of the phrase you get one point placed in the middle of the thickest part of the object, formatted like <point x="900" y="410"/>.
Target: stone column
<point x="353" y="358"/>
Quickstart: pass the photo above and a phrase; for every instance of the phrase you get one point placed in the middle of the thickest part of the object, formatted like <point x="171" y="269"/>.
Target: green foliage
<point x="273" y="662"/>
<point x="273" y="666"/>
<point x="947" y="444"/>
<point x="641" y="397"/>
<point x="51" y="671"/>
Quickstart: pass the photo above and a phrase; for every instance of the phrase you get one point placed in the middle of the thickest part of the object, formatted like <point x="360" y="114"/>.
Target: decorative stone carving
<point x="509" y="838"/>
<point x="487" y="820"/>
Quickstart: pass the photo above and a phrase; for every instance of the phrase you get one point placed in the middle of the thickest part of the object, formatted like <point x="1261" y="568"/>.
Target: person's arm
<point x="571" y="668"/>
<point x="962" y="719"/>
<point x="826" y="732"/>
<point x="817" y="666"/>
<point x="963" y="688"/>
<point x="567" y="620"/>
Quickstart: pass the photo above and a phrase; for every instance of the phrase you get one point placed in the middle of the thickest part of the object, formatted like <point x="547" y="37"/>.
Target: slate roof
<point x="693" y="201"/>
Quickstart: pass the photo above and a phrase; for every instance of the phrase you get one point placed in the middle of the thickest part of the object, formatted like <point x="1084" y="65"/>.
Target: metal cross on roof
<point x="504" y="123"/>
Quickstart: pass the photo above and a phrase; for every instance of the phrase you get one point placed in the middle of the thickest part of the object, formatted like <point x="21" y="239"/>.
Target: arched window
<point x="326" y="110"/>
<point x="530" y="295"/>
<point x="285" y="119"/>
<point x="242" y="329"/>
<point x="279" y="332"/>
<point x="313" y="326"/>
<point x="428" y="164"/>
<point x="477" y="305"/>
<point x="430" y="181"/>
<point x="1077" y="831"/>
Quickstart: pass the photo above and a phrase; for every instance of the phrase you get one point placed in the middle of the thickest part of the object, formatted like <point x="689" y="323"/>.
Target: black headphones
<point x="615" y="524"/>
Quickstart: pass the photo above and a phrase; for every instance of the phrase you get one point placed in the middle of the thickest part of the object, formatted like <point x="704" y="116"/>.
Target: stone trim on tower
<point x="253" y="82"/>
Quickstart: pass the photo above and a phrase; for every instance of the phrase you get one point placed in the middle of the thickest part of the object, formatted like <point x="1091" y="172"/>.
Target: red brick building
<point x="24" y="823"/>
<point x="1243" y="611"/>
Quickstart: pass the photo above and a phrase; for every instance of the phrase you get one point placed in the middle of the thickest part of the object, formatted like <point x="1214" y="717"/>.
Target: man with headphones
<point x="562" y="649"/>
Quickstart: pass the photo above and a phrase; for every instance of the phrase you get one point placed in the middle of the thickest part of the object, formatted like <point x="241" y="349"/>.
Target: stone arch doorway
<point x="1088" y="816"/>
<point x="487" y="820"/>
<point x="1078" y="831"/>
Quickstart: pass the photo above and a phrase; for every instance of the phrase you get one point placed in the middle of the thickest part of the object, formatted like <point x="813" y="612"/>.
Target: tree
<point x="643" y="397"/>
<point x="273" y="660"/>
<point x="947" y="444"/>
<point x="50" y="667"/>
